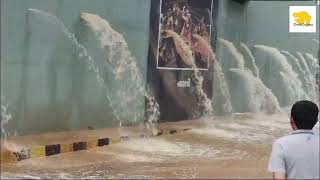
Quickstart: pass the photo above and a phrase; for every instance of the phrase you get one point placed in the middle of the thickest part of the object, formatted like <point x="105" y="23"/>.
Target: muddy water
<point x="213" y="148"/>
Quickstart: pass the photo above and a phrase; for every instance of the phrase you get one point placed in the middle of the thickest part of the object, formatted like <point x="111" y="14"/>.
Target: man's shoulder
<point x="283" y="139"/>
<point x="291" y="138"/>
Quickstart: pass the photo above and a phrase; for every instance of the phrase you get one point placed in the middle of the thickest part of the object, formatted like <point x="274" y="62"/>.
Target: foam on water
<point x="250" y="129"/>
<point x="6" y="175"/>
<point x="151" y="145"/>
<point x="159" y="150"/>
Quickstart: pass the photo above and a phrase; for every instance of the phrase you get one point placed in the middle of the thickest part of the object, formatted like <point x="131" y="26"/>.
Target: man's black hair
<point x="305" y="114"/>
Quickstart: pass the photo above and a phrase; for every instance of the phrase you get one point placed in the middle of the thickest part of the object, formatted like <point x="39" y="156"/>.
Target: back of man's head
<point x="305" y="114"/>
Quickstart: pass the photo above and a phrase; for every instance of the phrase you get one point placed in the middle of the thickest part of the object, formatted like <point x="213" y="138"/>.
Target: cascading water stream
<point x="249" y="59"/>
<point x="282" y="78"/>
<point x="203" y="103"/>
<point x="309" y="75"/>
<point x="124" y="69"/>
<point x="312" y="62"/>
<point x="277" y="74"/>
<point x="221" y="97"/>
<point x="231" y="57"/>
<point x="5" y="118"/>
<point x="83" y="54"/>
<point x="250" y="94"/>
<point x="80" y="49"/>
<point x="247" y="91"/>
<point x="303" y="76"/>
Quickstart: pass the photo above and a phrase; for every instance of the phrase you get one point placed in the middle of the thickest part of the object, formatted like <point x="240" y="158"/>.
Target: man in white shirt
<point x="296" y="156"/>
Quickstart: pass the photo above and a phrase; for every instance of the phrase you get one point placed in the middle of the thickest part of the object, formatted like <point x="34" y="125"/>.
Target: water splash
<point x="80" y="50"/>
<point x="204" y="105"/>
<point x="303" y="63"/>
<point x="277" y="74"/>
<point x="247" y="92"/>
<point x="298" y="69"/>
<point x="5" y="118"/>
<point x="250" y="94"/>
<point x="282" y="77"/>
<point x="312" y="63"/>
<point x="309" y="75"/>
<point x="125" y="70"/>
<point x="152" y="115"/>
<point x="249" y="59"/>
<point x="221" y="97"/>
<point x="314" y="67"/>
<point x="232" y="58"/>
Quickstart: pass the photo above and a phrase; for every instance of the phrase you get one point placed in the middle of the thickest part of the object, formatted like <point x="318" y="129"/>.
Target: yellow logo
<point x="302" y="18"/>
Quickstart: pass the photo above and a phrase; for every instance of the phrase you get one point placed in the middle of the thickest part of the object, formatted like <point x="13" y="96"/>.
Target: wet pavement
<point x="213" y="148"/>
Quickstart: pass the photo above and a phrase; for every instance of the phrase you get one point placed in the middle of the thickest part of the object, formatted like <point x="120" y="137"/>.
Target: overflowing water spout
<point x="5" y="118"/>
<point x="125" y="69"/>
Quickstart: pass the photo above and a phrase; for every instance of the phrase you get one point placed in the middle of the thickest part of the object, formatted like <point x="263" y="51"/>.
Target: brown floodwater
<point x="216" y="147"/>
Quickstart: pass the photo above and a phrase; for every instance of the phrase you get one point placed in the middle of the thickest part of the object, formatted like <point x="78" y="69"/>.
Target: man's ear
<point x="292" y="123"/>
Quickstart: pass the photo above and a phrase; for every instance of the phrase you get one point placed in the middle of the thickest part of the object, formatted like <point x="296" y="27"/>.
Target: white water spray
<point x="309" y="75"/>
<point x="221" y="97"/>
<point x="125" y="70"/>
<point x="312" y="63"/>
<point x="249" y="94"/>
<point x="81" y="52"/>
<point x="277" y="74"/>
<point x="232" y="58"/>
<point x="249" y="59"/>
<point x="302" y="75"/>
<point x="5" y="118"/>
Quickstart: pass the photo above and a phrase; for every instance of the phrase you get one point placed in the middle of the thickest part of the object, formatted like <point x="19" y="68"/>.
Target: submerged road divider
<point x="39" y="151"/>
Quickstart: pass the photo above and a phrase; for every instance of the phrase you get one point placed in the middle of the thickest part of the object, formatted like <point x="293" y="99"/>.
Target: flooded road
<point x="238" y="147"/>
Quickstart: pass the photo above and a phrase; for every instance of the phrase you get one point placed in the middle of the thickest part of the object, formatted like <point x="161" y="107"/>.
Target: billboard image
<point x="180" y="24"/>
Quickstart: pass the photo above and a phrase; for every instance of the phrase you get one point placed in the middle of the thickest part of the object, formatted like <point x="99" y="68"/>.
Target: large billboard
<point x="178" y="30"/>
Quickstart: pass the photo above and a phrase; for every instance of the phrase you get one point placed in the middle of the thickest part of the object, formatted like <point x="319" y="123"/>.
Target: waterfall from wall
<point x="5" y="118"/>
<point x="131" y="86"/>
<point x="277" y="74"/>
<point x="250" y="61"/>
<point x="122" y="65"/>
<point x="265" y="79"/>
<point x="249" y="94"/>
